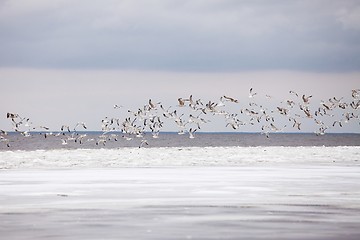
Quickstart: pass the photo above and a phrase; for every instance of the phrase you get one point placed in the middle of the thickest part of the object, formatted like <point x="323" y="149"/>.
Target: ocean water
<point x="37" y="140"/>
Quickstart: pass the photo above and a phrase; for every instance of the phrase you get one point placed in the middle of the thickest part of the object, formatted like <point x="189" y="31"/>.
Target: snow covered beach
<point x="179" y="156"/>
<point x="181" y="193"/>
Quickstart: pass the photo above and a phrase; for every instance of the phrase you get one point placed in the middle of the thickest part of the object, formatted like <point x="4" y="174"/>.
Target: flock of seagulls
<point x="190" y="115"/>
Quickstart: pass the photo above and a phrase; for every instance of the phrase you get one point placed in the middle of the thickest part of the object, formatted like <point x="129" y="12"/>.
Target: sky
<point x="68" y="61"/>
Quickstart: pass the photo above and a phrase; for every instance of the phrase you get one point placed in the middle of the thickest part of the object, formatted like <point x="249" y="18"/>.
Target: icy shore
<point x="186" y="156"/>
<point x="254" y="202"/>
<point x="181" y="193"/>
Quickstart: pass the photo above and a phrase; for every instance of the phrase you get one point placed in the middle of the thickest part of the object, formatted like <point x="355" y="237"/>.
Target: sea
<point x="38" y="141"/>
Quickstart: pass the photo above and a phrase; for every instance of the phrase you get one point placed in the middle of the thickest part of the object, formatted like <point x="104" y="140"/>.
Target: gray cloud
<point x="181" y="35"/>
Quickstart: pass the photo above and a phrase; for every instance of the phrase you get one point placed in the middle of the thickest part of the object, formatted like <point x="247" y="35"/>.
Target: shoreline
<point x="178" y="156"/>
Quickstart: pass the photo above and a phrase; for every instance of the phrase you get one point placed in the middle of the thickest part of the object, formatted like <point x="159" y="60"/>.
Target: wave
<point x="178" y="156"/>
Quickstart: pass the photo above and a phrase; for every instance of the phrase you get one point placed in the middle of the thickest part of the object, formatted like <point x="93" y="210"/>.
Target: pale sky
<point x="65" y="61"/>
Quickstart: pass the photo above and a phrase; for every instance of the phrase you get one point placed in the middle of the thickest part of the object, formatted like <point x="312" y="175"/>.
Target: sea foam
<point x="178" y="156"/>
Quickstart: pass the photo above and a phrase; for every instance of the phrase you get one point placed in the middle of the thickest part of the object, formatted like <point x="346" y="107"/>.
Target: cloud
<point x="181" y="35"/>
<point x="349" y="18"/>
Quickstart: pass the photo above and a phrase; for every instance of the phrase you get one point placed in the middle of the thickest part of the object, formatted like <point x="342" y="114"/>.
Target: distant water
<point x="38" y="141"/>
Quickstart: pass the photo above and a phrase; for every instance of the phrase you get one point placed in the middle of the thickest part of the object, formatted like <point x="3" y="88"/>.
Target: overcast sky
<point x="68" y="53"/>
<point x="207" y="35"/>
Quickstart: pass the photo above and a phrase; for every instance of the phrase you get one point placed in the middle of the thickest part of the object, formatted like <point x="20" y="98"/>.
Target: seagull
<point x="283" y="111"/>
<point x="43" y="127"/>
<point x="25" y="133"/>
<point x="210" y="106"/>
<point x="197" y="120"/>
<point x="306" y="99"/>
<point x="5" y="140"/>
<point x="166" y="113"/>
<point x="101" y="140"/>
<point x="326" y="106"/>
<point x="233" y="124"/>
<point x="181" y="102"/>
<point x="274" y="128"/>
<point x="155" y="134"/>
<point x="296" y="123"/>
<point x="251" y="94"/>
<point x="112" y="137"/>
<point x="290" y="103"/>
<point x="181" y="124"/>
<point x="307" y="112"/>
<point x="321" y="130"/>
<point x="332" y="100"/>
<point x="46" y="134"/>
<point x="193" y="104"/>
<point x="231" y="99"/>
<point x="12" y="115"/>
<point x="339" y="122"/>
<point x="294" y="93"/>
<point x="152" y="105"/>
<point x="176" y="117"/>
<point x="80" y="124"/>
<point x="221" y="102"/>
<point x="144" y="141"/>
<point x="126" y="138"/>
<point x="63" y="127"/>
<point x="118" y="106"/>
<point x="267" y="134"/>
<point x="181" y="132"/>
<point x="355" y="105"/>
<point x="343" y="105"/>
<point x="191" y="133"/>
<point x="80" y="138"/>
<point x="355" y="93"/>
<point x="318" y="122"/>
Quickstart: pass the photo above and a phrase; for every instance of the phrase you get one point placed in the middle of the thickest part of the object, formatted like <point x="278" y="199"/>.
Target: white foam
<point x="188" y="156"/>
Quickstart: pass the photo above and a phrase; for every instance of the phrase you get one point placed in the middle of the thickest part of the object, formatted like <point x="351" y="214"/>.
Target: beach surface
<point x="284" y="201"/>
<point x="269" y="192"/>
